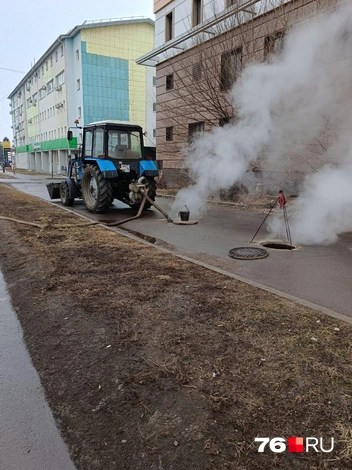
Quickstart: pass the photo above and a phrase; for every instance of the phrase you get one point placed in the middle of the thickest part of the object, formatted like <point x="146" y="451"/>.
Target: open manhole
<point x="278" y="245"/>
<point x="247" y="252"/>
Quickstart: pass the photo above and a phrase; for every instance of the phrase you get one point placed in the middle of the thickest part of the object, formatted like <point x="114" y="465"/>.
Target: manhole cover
<point x="246" y="252"/>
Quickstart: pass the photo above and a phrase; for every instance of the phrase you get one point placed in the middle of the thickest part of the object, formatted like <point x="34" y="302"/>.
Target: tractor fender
<point x="72" y="187"/>
<point x="107" y="167"/>
<point x="148" y="168"/>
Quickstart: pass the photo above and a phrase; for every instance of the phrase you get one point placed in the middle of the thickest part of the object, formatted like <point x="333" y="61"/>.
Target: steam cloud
<point x="294" y="111"/>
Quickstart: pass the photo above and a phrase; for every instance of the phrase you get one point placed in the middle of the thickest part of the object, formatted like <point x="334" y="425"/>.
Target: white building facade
<point x="86" y="75"/>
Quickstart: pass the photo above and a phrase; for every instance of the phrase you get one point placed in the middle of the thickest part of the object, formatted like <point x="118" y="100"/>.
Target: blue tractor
<point x="111" y="164"/>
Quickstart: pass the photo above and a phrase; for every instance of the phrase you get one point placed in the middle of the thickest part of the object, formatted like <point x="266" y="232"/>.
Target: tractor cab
<point x="113" y="140"/>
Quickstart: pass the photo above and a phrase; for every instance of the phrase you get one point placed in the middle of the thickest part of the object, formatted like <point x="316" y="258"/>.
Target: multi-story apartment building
<point x="86" y="75"/>
<point x="200" y="49"/>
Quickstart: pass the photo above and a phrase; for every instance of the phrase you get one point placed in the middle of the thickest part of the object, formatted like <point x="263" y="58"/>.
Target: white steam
<point x="293" y="113"/>
<point x="324" y="210"/>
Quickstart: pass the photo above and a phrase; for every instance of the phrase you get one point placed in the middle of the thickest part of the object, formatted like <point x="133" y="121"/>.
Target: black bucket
<point x="184" y="215"/>
<point x="53" y="190"/>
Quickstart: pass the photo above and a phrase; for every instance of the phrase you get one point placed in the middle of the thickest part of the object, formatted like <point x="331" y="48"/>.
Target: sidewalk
<point x="29" y="438"/>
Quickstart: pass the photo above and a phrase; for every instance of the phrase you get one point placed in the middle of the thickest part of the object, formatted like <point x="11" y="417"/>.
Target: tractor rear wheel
<point x="97" y="192"/>
<point x="65" y="194"/>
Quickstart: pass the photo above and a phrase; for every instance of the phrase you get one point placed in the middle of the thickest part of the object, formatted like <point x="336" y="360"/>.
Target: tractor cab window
<point x="88" y="143"/>
<point x="98" y="146"/>
<point x="124" y="145"/>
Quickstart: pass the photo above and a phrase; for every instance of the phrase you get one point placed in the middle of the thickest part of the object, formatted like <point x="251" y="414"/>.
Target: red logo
<point x="295" y="444"/>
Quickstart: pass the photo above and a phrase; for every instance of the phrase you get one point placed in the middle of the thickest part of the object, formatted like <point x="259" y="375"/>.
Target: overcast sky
<point x="29" y="28"/>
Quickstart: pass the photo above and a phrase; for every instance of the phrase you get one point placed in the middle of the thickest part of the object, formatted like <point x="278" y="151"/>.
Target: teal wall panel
<point x="105" y="87"/>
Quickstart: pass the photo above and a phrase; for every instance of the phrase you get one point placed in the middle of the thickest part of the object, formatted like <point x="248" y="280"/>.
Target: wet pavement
<point x="318" y="274"/>
<point x="29" y="438"/>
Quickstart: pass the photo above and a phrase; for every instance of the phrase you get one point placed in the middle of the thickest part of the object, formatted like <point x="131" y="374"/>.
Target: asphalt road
<point x="318" y="274"/>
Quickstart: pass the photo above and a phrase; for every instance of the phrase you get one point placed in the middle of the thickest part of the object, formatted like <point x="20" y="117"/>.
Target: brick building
<point x="201" y="47"/>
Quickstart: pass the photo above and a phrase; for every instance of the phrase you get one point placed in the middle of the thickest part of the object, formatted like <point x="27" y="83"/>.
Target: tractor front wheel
<point x="96" y="190"/>
<point x="65" y="194"/>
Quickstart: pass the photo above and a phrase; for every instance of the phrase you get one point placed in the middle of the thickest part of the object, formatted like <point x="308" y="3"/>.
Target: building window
<point x="170" y="81"/>
<point x="42" y="69"/>
<point x="169" y="134"/>
<point x="60" y="79"/>
<point x="46" y="65"/>
<point x="197" y="71"/>
<point x="78" y="84"/>
<point x="197" y="12"/>
<point x="231" y="67"/>
<point x="51" y="61"/>
<point x="50" y="86"/>
<point x="154" y="81"/>
<point x="56" y="56"/>
<point x="42" y="93"/>
<point x="154" y="132"/>
<point x="195" y="130"/>
<point x="77" y="54"/>
<point x="154" y="106"/>
<point x="62" y="50"/>
<point x="274" y="44"/>
<point x="169" y="27"/>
